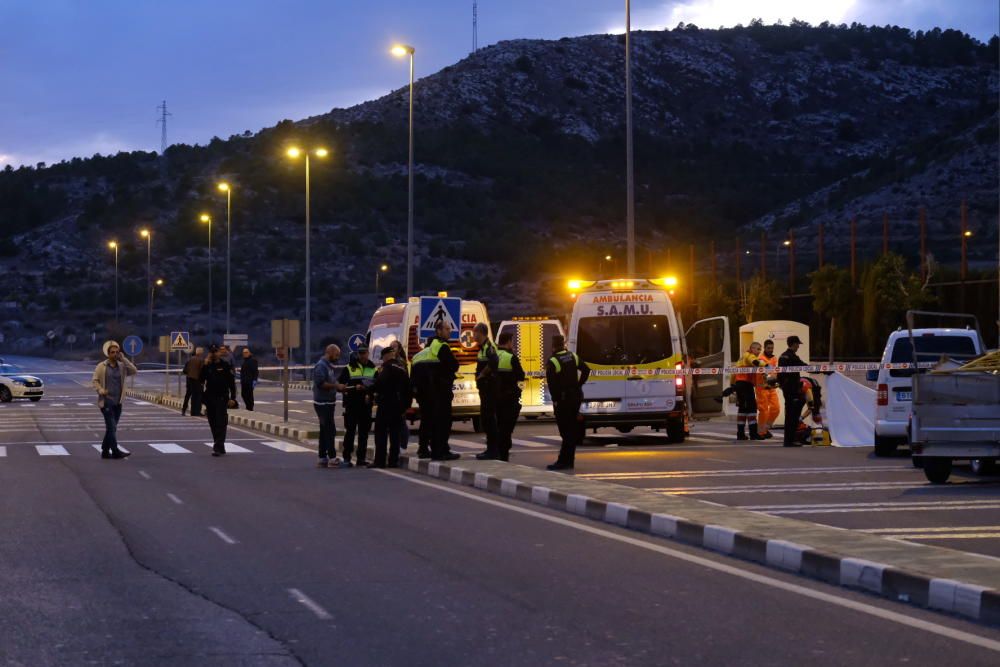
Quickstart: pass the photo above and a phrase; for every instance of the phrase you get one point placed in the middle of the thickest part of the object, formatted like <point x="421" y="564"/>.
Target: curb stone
<point x="963" y="599"/>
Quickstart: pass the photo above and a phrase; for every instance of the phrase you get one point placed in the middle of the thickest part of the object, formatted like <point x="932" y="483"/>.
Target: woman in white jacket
<point x="109" y="383"/>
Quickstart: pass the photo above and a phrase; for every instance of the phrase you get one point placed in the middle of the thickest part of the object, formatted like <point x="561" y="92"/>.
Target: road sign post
<point x="435" y="310"/>
<point x="165" y="342"/>
<point x="285" y="337"/>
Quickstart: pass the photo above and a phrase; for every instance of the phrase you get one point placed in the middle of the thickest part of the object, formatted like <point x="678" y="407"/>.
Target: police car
<point x="15" y="385"/>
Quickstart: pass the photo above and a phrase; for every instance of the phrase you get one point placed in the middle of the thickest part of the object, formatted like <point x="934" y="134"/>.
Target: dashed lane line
<point x="174" y="499"/>
<point x="310" y="604"/>
<point x="743" y="472"/>
<point x="221" y="535"/>
<point x="145" y="475"/>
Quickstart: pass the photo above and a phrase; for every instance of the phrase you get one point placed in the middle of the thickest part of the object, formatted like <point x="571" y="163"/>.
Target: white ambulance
<point x="401" y="321"/>
<point x="629" y="334"/>
<point x="533" y="347"/>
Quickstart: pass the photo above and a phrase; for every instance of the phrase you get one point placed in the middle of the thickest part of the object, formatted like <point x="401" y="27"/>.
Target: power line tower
<point x="475" y="26"/>
<point x="162" y="122"/>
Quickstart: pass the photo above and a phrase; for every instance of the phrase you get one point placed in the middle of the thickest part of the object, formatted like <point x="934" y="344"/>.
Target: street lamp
<point x="225" y="187"/>
<point x="114" y="246"/>
<point x="401" y="51"/>
<point x="382" y="269"/>
<point x="295" y="153"/>
<point x="629" y="162"/>
<point x="152" y="292"/>
<point x="207" y="219"/>
<point x="148" y="235"/>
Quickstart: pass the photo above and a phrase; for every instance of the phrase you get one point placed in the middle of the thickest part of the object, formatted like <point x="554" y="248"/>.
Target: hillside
<point x="520" y="174"/>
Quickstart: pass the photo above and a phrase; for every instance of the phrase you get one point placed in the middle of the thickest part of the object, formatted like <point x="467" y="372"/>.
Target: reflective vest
<point x="566" y="355"/>
<point x="425" y="355"/>
<point x="760" y="379"/>
<point x="506" y="364"/>
<point x="364" y="373"/>
<point x="747" y="360"/>
<point x="484" y="352"/>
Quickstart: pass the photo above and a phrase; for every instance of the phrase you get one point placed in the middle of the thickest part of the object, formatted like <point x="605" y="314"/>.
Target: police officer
<point x="421" y="372"/>
<point x="566" y="375"/>
<point x="791" y="390"/>
<point x="508" y="393"/>
<point x="393" y="396"/>
<point x="443" y="374"/>
<point x="486" y="368"/>
<point x="355" y="383"/>
<point x="219" y="380"/>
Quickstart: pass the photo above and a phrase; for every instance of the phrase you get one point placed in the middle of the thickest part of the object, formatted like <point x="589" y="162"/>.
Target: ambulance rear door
<point x="533" y="346"/>
<point x="707" y="346"/>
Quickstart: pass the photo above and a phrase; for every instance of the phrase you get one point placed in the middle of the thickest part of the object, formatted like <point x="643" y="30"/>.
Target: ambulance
<point x="533" y="347"/>
<point x="633" y="339"/>
<point x="401" y="321"/>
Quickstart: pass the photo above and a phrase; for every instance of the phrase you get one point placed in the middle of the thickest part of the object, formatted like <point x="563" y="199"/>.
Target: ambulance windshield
<point x="615" y="341"/>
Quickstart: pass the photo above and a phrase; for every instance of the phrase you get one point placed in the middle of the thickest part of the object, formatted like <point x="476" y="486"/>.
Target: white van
<point x="533" y="347"/>
<point x="629" y="334"/>
<point x="401" y="321"/>
<point x="894" y="391"/>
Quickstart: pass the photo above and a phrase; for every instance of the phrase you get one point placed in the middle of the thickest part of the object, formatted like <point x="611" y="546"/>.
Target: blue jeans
<point x="112" y="413"/>
<point x="327" y="430"/>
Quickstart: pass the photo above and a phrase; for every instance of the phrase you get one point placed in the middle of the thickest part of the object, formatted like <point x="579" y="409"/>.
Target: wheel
<point x="937" y="470"/>
<point x="885" y="446"/>
<point x="918" y="462"/>
<point x="625" y="429"/>
<point x="984" y="466"/>
<point x="34" y="399"/>
<point x="5" y="395"/>
<point x="675" y="431"/>
<point x="477" y="424"/>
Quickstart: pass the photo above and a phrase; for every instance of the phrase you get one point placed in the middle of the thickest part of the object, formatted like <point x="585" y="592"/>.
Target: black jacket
<point x="507" y="381"/>
<point x="567" y="382"/>
<point x="486" y="367"/>
<point x="392" y="390"/>
<point x="219" y="381"/>
<point x="789" y="382"/>
<point x="445" y="371"/>
<point x="355" y="398"/>
<point x="249" y="372"/>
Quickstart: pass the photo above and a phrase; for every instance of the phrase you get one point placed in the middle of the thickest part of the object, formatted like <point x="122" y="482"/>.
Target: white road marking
<point x="466" y="444"/>
<point x="221" y="535"/>
<point x="939" y="536"/>
<point x="3" y="451"/>
<point x="57" y="405"/>
<point x="169" y="448"/>
<point x="98" y="448"/>
<point x="305" y="601"/>
<point x="89" y="405"/>
<point x="232" y="449"/>
<point x="145" y="475"/>
<point x="721" y="460"/>
<point x="175" y="499"/>
<point x="847" y="508"/>
<point x="804" y="591"/>
<point x="301" y="412"/>
<point x="527" y="443"/>
<point x="933" y="529"/>
<point x="786" y="488"/>
<point x="743" y="472"/>
<point x="51" y="450"/>
<point x="285" y="446"/>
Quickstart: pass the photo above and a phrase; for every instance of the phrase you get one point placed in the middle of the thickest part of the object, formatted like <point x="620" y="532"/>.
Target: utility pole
<point x="475" y="26"/>
<point x="629" y="163"/>
<point x="965" y="236"/>
<point x="854" y="251"/>
<point x="162" y="122"/>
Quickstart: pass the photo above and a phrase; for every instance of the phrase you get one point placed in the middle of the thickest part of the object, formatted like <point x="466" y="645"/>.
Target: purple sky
<point x="78" y="77"/>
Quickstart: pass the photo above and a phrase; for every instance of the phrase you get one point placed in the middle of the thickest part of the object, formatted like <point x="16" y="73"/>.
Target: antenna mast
<point x="162" y="122"/>
<point x="475" y="26"/>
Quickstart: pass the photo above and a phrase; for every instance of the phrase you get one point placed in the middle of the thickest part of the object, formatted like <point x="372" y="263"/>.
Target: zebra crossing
<point x="19" y="451"/>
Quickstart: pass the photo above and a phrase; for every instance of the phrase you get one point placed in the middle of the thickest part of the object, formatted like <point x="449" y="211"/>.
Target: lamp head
<point x="321" y="152"/>
<point x="401" y="50"/>
<point x="205" y="217"/>
<point x="293" y="152"/>
<point x="144" y="233"/>
<point x="223" y="187"/>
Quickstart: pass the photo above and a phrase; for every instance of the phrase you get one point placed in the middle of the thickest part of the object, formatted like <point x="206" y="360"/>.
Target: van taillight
<point x="883" y="394"/>
<point x="679" y="379"/>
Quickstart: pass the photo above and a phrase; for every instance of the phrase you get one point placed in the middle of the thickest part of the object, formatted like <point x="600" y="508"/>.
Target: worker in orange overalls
<point x="766" y="390"/>
<point x="743" y="384"/>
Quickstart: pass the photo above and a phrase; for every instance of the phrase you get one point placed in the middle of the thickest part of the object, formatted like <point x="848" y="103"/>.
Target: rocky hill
<point x="520" y="175"/>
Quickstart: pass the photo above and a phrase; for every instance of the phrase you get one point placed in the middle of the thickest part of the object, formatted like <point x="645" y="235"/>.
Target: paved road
<point x="173" y="557"/>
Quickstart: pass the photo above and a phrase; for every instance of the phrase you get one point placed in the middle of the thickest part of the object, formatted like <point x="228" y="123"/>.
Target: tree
<point x="833" y="297"/>
<point x="713" y="300"/>
<point x="761" y="301"/>
<point x="888" y="291"/>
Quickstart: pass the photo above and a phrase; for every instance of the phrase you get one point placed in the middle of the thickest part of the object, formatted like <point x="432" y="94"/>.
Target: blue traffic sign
<point x="435" y="310"/>
<point x="355" y="342"/>
<point x="132" y="345"/>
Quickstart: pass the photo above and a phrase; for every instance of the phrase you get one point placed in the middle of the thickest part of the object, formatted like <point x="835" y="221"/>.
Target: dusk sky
<point x="79" y="77"/>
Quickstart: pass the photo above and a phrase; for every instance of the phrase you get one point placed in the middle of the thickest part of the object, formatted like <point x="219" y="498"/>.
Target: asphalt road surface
<point x="174" y="557"/>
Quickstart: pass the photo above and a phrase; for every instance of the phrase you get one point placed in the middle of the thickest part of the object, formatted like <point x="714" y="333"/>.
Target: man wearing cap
<point x="219" y="380"/>
<point x="566" y="374"/>
<point x="791" y="390"/>
<point x="355" y="383"/>
<point x="109" y="383"/>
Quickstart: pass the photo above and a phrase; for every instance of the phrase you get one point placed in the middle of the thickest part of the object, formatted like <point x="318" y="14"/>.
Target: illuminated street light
<point x="207" y="219"/>
<point x="148" y="235"/>
<point x="294" y="152"/>
<point x="225" y="187"/>
<point x="382" y="269"/>
<point x="401" y="51"/>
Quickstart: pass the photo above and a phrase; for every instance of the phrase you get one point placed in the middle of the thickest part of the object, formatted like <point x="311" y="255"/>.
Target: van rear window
<point x="930" y="349"/>
<point x="615" y="341"/>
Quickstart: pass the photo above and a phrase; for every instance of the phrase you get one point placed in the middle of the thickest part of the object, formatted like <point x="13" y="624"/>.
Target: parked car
<point x="13" y="384"/>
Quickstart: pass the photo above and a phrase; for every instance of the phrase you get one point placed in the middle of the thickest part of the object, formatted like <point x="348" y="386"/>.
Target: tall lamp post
<point x="148" y="235"/>
<point x="207" y="219"/>
<point x="152" y="292"/>
<point x="225" y="187"/>
<point x="378" y="274"/>
<point x="629" y="162"/>
<point x="401" y="51"/>
<point x="114" y="246"/>
<point x="295" y="153"/>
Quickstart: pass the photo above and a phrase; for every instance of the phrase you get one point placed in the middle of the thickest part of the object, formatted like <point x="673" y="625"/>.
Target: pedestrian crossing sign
<point x="179" y="340"/>
<point x="436" y="310"/>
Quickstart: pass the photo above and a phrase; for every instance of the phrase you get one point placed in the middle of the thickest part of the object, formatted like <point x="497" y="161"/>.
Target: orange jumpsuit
<point x="767" y="398"/>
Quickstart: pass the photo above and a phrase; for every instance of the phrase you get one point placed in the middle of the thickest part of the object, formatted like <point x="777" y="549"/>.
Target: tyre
<point x="675" y="431"/>
<point x="885" y="446"/>
<point x="937" y="470"/>
<point x="35" y="399"/>
<point x="984" y="466"/>
<point x="477" y="424"/>
<point x="5" y="395"/>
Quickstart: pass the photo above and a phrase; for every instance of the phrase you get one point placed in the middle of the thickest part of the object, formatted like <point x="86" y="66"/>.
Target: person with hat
<point x="791" y="390"/>
<point x="421" y="378"/>
<point x="487" y="361"/>
<point x="566" y="374"/>
<point x="219" y="381"/>
<point x="393" y="396"/>
<point x="109" y="383"/>
<point x="510" y="375"/>
<point x="355" y="382"/>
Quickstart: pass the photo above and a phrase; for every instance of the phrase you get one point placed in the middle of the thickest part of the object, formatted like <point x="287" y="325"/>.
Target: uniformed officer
<point x="566" y="374"/>
<point x="508" y="393"/>
<point x="219" y="379"/>
<point x="355" y="383"/>
<point x="486" y="368"/>
<point x="443" y="374"/>
<point x="421" y="372"/>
